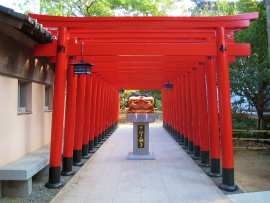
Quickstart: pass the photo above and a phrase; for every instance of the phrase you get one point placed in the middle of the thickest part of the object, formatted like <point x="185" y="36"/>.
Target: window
<point x="24" y="97"/>
<point x="48" y="98"/>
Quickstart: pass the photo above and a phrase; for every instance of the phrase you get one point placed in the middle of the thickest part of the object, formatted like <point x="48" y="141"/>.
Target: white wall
<point x="24" y="133"/>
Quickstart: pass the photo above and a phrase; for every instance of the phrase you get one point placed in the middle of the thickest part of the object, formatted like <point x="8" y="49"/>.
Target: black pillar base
<point x="96" y="142"/>
<point x="178" y="136"/>
<point x="214" y="174"/>
<point x="228" y="183"/>
<point x="91" y="146"/>
<point x="54" y="178"/>
<point x="67" y="167"/>
<point x="103" y="136"/>
<point x="215" y="168"/>
<point x="197" y="152"/>
<point x="85" y="152"/>
<point x="99" y="139"/>
<point x="186" y="143"/>
<point x="190" y="147"/>
<point x="182" y="139"/>
<point x="77" y="155"/>
<point x="228" y="188"/>
<point x="205" y="161"/>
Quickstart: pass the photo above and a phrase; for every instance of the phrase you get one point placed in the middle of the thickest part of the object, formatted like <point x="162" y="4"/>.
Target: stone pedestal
<point x="141" y="136"/>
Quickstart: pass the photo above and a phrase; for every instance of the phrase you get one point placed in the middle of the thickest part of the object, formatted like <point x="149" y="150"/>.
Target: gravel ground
<point x="39" y="192"/>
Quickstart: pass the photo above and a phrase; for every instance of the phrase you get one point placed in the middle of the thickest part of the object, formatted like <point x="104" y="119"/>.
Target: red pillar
<point x="177" y="110"/>
<point x="87" y="117"/>
<point x="181" y="136"/>
<point x="185" y="120"/>
<point x="195" y="115"/>
<point x="97" y="115"/>
<point x="70" y="119"/>
<point x="58" y="110"/>
<point x="213" y="117"/>
<point x="225" y="112"/>
<point x="77" y="151"/>
<point x="189" y="114"/>
<point x="205" y="160"/>
<point x="100" y="112"/>
<point x="93" y="113"/>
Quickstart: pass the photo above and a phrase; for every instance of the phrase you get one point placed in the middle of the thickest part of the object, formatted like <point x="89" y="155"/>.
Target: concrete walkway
<point x="109" y="177"/>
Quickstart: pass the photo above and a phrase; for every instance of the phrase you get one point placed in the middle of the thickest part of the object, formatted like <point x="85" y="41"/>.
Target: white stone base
<point x="131" y="156"/>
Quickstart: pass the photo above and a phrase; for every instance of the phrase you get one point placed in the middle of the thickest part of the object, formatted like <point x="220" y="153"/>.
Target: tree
<point x="104" y="7"/>
<point x="249" y="76"/>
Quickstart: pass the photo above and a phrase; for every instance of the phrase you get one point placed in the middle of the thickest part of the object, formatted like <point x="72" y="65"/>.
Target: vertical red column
<point x="58" y="110"/>
<point x="103" y="120"/>
<point x="213" y="117"/>
<point x="205" y="160"/>
<point x="93" y="113"/>
<point x="177" y="110"/>
<point x="97" y="112"/>
<point x="102" y="109"/>
<point x="189" y="114"/>
<point x="77" y="151"/>
<point x="100" y="112"/>
<point x="185" y="119"/>
<point x="225" y="112"/>
<point x="70" y="119"/>
<point x="179" y="92"/>
<point x="195" y="116"/>
<point x="87" y="117"/>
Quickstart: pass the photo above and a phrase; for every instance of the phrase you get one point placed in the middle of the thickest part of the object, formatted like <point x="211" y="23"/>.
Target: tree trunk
<point x="268" y="23"/>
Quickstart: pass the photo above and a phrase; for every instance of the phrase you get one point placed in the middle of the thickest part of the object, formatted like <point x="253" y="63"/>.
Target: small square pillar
<point x="17" y="187"/>
<point x="141" y="136"/>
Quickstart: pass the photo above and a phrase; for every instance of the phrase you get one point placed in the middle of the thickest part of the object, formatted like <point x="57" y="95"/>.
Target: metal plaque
<point x="141" y="137"/>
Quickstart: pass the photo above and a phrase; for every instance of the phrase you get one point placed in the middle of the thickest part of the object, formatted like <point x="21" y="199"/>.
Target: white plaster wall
<point x="21" y="134"/>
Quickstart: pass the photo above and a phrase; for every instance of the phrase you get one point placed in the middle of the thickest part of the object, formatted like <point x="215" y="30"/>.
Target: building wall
<point x="21" y="134"/>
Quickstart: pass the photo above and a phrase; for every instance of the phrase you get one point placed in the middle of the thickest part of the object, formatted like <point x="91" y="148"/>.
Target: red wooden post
<point x="177" y="110"/>
<point x="100" y="112"/>
<point x="195" y="115"/>
<point x="58" y="110"/>
<point x="96" y="135"/>
<point x="213" y="117"/>
<point x="79" y="118"/>
<point x="185" y="118"/>
<point x="69" y="119"/>
<point x="93" y="112"/>
<point x="205" y="160"/>
<point x="181" y="138"/>
<point x="189" y="114"/>
<point x="225" y="112"/>
<point x="87" y="117"/>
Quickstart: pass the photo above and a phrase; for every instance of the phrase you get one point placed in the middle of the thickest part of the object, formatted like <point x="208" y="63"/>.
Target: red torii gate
<point x="142" y="53"/>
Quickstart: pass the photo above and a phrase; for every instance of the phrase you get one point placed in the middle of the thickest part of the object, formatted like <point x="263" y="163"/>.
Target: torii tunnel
<point x="142" y="53"/>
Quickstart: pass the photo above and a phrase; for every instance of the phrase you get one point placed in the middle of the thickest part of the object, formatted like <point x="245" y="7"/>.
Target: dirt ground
<point x="252" y="170"/>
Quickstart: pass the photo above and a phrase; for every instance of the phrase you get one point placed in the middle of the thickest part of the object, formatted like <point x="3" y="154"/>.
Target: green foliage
<point x="249" y="76"/>
<point x="104" y="7"/>
<point x="218" y="8"/>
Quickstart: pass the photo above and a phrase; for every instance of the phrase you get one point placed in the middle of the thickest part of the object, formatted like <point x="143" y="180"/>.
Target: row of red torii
<point x="142" y="53"/>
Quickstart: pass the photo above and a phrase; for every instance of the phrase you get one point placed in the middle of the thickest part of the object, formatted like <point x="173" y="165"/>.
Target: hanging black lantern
<point x="168" y="86"/>
<point x="121" y="91"/>
<point x="82" y="67"/>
